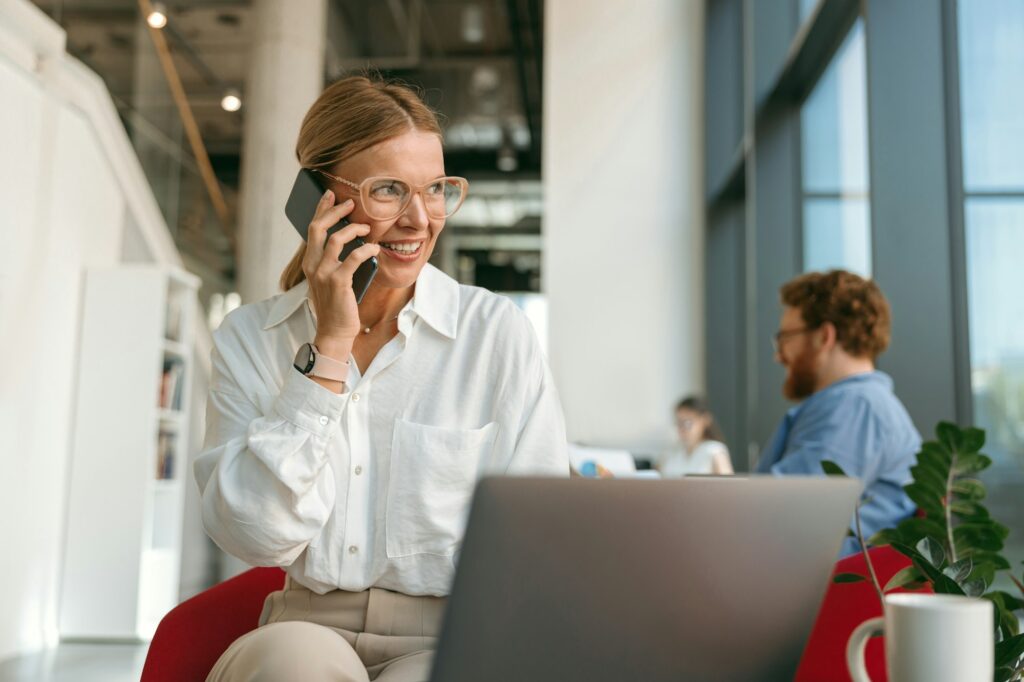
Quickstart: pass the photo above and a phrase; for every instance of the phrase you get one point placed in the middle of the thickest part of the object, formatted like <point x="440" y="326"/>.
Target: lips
<point x="406" y="251"/>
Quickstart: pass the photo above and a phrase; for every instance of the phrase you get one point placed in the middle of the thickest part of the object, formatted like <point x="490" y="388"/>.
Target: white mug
<point x="933" y="637"/>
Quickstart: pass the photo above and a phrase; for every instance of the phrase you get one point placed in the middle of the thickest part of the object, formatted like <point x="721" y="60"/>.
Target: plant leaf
<point x="972" y="439"/>
<point x="931" y="550"/>
<point x="930" y="477"/>
<point x="849" y="578"/>
<point x="977" y="536"/>
<point x="949" y="435"/>
<point x="1003" y="675"/>
<point x="970" y="509"/>
<point x="1009" y="650"/>
<point x="884" y="537"/>
<point x="941" y="583"/>
<point x="1008" y="600"/>
<point x="960" y="570"/>
<point x="903" y="578"/>
<point x="974" y="588"/>
<point x="971" y="463"/>
<point x="831" y="468"/>
<point x="924" y="499"/>
<point x="936" y="453"/>
<point x="969" y="488"/>
<point x="915" y="528"/>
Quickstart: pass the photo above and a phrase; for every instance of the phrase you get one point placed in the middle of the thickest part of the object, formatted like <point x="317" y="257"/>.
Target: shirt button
<point x="355" y="397"/>
<point x="323" y="421"/>
<point x="359" y="470"/>
<point x="352" y="549"/>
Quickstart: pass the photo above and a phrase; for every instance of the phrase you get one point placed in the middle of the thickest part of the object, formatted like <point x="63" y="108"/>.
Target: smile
<point x="401" y="250"/>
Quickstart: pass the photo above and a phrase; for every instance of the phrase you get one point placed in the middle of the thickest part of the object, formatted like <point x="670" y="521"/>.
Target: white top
<point x="678" y="462"/>
<point x="371" y="488"/>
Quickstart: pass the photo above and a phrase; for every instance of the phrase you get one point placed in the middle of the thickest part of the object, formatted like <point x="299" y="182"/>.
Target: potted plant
<point x="953" y="542"/>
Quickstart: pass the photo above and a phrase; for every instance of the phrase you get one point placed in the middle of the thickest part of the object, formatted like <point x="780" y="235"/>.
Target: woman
<point x="344" y="440"/>
<point x="700" y="450"/>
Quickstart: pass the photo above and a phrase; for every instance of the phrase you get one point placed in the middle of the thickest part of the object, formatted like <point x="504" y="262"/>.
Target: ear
<point x="828" y="335"/>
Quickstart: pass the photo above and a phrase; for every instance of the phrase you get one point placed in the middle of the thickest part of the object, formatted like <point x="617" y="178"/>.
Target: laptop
<point x="617" y="580"/>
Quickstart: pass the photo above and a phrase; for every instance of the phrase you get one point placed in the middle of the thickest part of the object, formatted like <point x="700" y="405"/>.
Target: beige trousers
<point x="338" y="636"/>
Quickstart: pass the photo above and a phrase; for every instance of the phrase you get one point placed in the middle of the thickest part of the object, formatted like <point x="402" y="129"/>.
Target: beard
<point x="801" y="376"/>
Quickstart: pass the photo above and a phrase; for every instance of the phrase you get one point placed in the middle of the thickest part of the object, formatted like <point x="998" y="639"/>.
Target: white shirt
<point x="371" y="488"/>
<point x="678" y="462"/>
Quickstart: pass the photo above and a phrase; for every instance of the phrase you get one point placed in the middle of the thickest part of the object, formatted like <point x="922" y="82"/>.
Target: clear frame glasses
<point x="786" y="333"/>
<point x="385" y="198"/>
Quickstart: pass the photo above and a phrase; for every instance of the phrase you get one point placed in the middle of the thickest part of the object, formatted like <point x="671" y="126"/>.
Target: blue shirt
<point x="861" y="425"/>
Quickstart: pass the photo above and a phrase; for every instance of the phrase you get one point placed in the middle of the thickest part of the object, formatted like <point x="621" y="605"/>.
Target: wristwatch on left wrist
<point x="310" y="362"/>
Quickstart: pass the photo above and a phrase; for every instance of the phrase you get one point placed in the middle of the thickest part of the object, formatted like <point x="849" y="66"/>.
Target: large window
<point x="833" y="134"/>
<point x="991" y="56"/>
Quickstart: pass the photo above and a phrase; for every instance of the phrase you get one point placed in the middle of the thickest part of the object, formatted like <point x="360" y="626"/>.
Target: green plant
<point x="953" y="544"/>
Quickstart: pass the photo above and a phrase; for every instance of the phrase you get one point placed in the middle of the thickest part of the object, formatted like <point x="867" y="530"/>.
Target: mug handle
<point x="857" y="643"/>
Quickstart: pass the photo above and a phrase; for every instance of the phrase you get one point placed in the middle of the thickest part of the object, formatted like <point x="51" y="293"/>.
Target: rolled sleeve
<point x="310" y="406"/>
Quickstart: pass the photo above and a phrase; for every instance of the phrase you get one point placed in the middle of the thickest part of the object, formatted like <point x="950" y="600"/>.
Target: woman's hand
<point x="330" y="281"/>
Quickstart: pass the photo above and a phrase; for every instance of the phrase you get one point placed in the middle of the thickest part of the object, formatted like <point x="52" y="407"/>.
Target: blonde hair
<point x="350" y="116"/>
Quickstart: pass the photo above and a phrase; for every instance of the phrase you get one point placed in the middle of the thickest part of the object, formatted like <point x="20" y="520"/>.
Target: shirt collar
<point x="436" y="301"/>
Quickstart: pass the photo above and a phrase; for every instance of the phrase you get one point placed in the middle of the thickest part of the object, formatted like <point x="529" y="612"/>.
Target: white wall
<point x="68" y="182"/>
<point x="623" y="221"/>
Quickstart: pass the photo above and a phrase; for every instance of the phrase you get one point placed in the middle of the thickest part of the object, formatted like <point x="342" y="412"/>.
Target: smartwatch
<point x="310" y="362"/>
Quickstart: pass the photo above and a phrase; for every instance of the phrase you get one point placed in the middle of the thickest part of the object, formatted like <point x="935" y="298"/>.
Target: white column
<point x="624" y="219"/>
<point x="285" y="77"/>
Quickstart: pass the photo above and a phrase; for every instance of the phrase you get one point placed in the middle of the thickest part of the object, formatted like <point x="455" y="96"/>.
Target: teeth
<point x="402" y="248"/>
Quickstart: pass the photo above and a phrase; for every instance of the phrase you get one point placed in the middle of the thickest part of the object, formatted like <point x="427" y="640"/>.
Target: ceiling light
<point x="507" y="160"/>
<point x="157" y="15"/>
<point x="473" y="24"/>
<point x="232" y="100"/>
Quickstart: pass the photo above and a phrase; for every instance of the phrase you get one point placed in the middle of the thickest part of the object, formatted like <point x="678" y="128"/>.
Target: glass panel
<point x="805" y="8"/>
<point x="836" y="235"/>
<point x="833" y="134"/>
<point x="991" y="97"/>
<point x="834" y="130"/>
<point x="995" y="241"/>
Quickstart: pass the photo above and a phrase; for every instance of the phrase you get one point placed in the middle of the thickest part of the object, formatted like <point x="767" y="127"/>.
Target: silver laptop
<point x="618" y="580"/>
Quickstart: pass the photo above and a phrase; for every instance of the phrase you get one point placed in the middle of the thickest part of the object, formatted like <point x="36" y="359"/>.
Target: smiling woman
<point x="353" y="464"/>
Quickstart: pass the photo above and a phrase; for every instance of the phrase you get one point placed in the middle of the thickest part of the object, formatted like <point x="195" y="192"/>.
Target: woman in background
<point x="700" y="449"/>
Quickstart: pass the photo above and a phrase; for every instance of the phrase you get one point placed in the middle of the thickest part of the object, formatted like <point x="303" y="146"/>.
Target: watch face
<point x="304" y="358"/>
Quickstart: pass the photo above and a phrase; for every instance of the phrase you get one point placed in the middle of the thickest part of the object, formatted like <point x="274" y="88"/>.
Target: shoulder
<point x="483" y="311"/>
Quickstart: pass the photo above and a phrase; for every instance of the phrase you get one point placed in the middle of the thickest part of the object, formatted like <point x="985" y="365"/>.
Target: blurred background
<point x="643" y="177"/>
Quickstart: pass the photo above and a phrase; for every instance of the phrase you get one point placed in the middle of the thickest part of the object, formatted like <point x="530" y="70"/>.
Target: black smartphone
<point x="300" y="209"/>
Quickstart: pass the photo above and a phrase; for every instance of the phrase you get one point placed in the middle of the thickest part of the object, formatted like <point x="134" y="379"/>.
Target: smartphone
<point x="300" y="209"/>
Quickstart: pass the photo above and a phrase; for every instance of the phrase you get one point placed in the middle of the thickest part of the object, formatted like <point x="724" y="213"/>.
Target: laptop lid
<point x="593" y="580"/>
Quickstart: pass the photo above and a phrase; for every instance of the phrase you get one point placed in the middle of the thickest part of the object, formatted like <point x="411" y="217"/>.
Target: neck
<point x="843" y="369"/>
<point x="381" y="303"/>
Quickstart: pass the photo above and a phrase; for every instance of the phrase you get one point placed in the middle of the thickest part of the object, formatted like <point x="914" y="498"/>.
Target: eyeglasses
<point x="385" y="198"/>
<point x="786" y="333"/>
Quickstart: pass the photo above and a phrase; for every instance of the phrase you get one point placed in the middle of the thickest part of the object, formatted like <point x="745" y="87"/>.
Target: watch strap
<point x="328" y="368"/>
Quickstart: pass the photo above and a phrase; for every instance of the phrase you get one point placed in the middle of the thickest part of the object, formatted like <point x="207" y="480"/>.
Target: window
<point x="991" y="57"/>
<point x="833" y="135"/>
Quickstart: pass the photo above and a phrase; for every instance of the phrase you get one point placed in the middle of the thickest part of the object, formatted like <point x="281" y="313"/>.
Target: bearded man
<point x="834" y="326"/>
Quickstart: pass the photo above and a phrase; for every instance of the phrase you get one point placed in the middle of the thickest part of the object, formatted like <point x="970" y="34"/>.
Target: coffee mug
<point x="929" y="637"/>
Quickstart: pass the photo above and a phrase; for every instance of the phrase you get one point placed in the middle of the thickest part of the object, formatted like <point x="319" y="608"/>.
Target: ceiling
<point x="477" y="62"/>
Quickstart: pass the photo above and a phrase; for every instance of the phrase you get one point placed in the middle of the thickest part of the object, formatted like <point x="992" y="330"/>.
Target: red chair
<point x="846" y="606"/>
<point x="196" y="632"/>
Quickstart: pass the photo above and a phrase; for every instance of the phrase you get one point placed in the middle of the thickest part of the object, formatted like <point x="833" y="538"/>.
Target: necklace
<point x="367" y="330"/>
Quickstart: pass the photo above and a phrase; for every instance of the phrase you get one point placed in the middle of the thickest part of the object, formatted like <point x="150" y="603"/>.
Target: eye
<point x="386" y="189"/>
<point x="436" y="189"/>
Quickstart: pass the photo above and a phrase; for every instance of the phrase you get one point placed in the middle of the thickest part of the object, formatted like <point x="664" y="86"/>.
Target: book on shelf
<point x="166" y="444"/>
<point x="171" y="384"/>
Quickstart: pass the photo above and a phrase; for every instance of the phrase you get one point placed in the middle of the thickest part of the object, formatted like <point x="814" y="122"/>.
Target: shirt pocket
<point x="433" y="471"/>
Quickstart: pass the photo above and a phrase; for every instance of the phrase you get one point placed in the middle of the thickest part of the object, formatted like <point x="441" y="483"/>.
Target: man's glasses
<point x="786" y="333"/>
<point x="386" y="198"/>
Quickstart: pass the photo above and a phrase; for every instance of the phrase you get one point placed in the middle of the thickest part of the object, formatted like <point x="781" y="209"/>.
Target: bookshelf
<point x="122" y="555"/>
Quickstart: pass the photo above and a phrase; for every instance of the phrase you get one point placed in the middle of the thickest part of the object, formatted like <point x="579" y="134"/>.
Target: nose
<point x="416" y="212"/>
